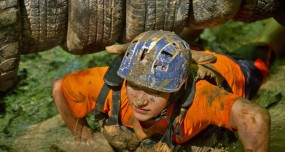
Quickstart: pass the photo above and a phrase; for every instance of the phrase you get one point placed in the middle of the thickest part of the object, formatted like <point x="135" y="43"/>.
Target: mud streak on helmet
<point x="158" y="60"/>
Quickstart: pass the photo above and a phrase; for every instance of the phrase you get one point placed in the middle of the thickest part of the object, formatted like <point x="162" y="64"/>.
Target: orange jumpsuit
<point x="211" y="105"/>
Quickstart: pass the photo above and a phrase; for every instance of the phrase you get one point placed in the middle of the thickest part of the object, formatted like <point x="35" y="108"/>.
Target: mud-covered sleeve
<point x="211" y="105"/>
<point x="81" y="89"/>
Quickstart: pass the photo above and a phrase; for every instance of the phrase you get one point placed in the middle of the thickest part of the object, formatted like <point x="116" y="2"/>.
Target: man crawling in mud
<point x="161" y="93"/>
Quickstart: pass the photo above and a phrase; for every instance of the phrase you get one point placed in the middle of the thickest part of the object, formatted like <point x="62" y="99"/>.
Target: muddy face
<point x="146" y="103"/>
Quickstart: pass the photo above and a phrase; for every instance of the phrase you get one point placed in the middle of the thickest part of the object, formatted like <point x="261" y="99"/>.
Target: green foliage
<point x="269" y="96"/>
<point x="231" y="35"/>
<point x="31" y="101"/>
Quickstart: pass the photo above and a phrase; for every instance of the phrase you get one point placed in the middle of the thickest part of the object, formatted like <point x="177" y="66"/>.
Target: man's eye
<point x="135" y="87"/>
<point x="155" y="93"/>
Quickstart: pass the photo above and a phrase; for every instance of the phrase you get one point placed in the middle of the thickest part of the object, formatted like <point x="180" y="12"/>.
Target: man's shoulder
<point x="204" y="86"/>
<point x="86" y="76"/>
<point x="203" y="83"/>
<point x="98" y="71"/>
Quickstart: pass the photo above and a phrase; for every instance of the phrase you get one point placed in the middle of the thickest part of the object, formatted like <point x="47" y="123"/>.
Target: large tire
<point x="279" y="15"/>
<point x="209" y="13"/>
<point x="44" y="24"/>
<point x="93" y="24"/>
<point x="254" y="10"/>
<point x="143" y="15"/>
<point x="9" y="43"/>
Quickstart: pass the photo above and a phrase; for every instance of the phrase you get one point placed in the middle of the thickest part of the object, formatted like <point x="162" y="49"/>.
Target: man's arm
<point x="78" y="127"/>
<point x="252" y="123"/>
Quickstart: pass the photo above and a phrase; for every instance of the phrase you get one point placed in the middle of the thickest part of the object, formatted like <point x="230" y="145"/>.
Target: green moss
<point x="231" y="35"/>
<point x="31" y="101"/>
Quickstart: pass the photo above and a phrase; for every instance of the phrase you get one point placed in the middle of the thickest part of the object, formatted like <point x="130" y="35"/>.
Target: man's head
<point x="155" y="64"/>
<point x="158" y="60"/>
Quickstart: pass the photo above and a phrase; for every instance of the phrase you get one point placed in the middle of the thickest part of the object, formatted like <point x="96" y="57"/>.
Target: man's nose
<point x="142" y="100"/>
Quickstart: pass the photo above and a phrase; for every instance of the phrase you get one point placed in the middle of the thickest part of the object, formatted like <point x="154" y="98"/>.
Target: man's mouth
<point x="140" y="110"/>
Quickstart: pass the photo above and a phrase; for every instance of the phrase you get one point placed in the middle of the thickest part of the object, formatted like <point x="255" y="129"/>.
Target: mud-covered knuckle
<point x="120" y="138"/>
<point x="207" y="13"/>
<point x="160" y="146"/>
<point x="153" y="146"/>
<point x="84" y="135"/>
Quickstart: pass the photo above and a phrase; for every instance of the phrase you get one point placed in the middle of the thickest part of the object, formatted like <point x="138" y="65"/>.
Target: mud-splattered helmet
<point x="158" y="60"/>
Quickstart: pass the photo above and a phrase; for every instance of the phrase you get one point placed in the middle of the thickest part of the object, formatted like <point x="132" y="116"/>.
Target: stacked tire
<point x="44" y="24"/>
<point x="254" y="10"/>
<point x="208" y="13"/>
<point x="93" y="24"/>
<point x="279" y="16"/>
<point x="88" y="26"/>
<point x="143" y="15"/>
<point x="9" y="43"/>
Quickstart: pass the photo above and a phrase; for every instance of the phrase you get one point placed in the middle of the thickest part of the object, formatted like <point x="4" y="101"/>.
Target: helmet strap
<point x="173" y="98"/>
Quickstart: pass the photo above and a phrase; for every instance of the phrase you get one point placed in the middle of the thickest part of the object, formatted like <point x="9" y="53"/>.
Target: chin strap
<point x="112" y="81"/>
<point x="182" y="101"/>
